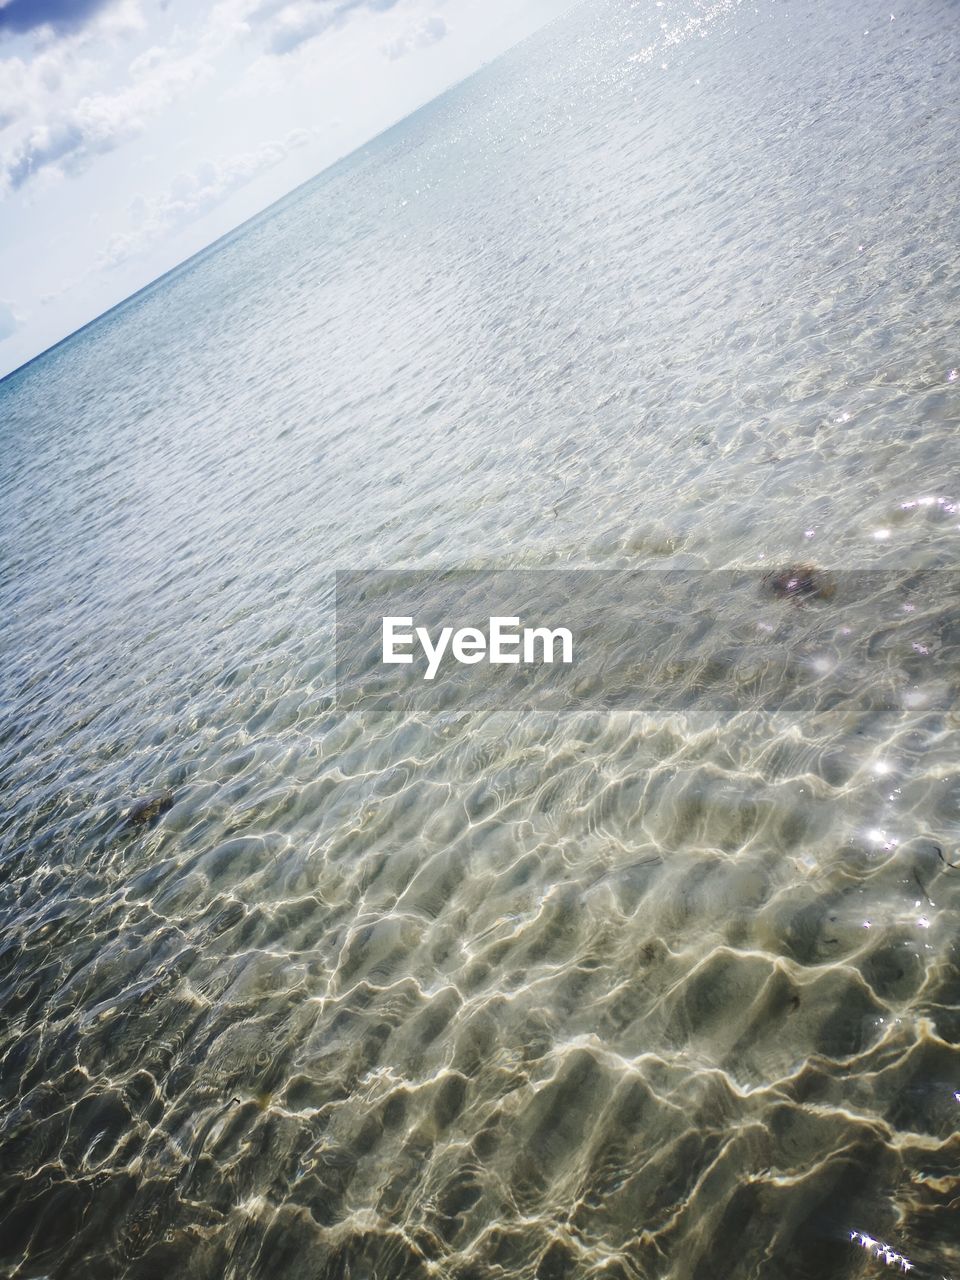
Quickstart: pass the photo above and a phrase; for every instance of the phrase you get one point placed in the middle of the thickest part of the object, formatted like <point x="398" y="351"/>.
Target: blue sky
<point x="134" y="132"/>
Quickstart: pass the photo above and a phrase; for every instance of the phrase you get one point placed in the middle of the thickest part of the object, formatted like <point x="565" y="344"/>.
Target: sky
<point x="135" y="132"/>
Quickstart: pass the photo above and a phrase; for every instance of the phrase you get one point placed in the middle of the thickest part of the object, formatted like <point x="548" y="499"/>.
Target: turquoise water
<point x="378" y="993"/>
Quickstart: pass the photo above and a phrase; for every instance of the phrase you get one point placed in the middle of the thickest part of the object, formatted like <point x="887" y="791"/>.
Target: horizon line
<point x="245" y="222"/>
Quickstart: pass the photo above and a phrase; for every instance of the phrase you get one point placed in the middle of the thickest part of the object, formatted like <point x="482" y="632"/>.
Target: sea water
<point x="385" y="990"/>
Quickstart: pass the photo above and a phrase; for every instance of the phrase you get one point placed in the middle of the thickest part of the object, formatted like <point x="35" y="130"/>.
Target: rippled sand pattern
<point x="373" y="994"/>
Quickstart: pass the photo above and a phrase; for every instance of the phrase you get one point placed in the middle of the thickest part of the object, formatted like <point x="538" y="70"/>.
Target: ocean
<point x="296" y="984"/>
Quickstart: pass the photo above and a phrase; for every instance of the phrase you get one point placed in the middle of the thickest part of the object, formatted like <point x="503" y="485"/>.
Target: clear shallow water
<point x="473" y="995"/>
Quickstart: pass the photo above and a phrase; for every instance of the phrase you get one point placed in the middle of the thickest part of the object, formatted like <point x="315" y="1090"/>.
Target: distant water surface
<point x="611" y="995"/>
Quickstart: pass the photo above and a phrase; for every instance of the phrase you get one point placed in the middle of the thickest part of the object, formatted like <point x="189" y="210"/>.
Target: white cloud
<point x="62" y="65"/>
<point x="100" y="122"/>
<point x="428" y="32"/>
<point x="288" y="24"/>
<point x="194" y="193"/>
<point x="295" y="25"/>
<point x="29" y="85"/>
<point x="121" y="20"/>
